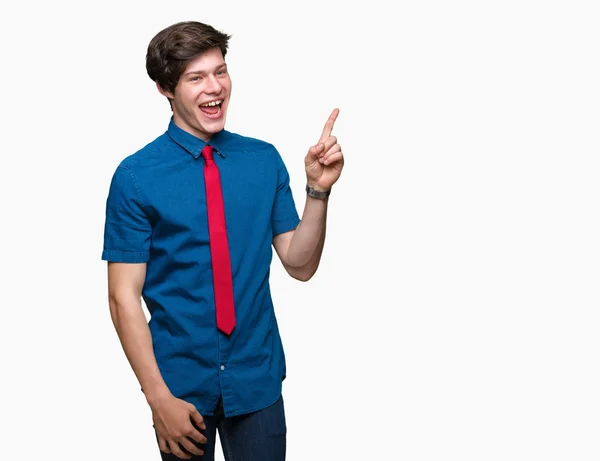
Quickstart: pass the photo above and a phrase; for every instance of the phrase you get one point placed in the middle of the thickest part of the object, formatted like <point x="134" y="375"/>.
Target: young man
<point x="191" y="220"/>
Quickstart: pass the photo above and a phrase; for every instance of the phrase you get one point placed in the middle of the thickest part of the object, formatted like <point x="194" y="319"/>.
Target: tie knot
<point x="207" y="153"/>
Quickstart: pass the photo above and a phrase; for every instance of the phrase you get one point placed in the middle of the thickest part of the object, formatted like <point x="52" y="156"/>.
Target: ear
<point x="164" y="92"/>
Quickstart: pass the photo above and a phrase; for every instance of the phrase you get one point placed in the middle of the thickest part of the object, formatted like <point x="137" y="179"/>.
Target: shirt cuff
<point x="279" y="227"/>
<point x="118" y="256"/>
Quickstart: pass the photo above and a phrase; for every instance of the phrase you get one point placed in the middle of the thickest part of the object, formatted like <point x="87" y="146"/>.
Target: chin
<point x="215" y="127"/>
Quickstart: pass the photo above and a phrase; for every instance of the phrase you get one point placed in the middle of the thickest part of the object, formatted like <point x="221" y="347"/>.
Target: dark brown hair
<point x="172" y="48"/>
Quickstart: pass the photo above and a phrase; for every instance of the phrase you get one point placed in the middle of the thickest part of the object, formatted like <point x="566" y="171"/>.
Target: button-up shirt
<point x="156" y="214"/>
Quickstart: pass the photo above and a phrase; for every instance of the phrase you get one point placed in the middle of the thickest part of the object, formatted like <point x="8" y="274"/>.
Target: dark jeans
<point x="258" y="436"/>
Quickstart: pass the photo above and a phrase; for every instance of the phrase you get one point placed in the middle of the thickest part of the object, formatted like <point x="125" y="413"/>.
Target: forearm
<point x="306" y="246"/>
<point x="133" y="331"/>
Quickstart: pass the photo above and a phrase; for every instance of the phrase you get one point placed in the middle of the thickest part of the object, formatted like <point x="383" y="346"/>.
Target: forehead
<point x="205" y="62"/>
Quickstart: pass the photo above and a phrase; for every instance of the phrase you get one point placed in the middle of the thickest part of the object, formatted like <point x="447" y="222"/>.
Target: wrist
<point x="157" y="394"/>
<point x="315" y="187"/>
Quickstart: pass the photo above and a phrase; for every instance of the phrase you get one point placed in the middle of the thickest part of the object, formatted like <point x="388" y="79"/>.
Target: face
<point x="202" y="95"/>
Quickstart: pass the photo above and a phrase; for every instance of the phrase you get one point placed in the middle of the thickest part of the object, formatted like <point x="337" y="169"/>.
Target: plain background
<point x="456" y="311"/>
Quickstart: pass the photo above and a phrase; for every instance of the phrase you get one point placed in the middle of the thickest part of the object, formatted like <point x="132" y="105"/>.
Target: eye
<point x="195" y="78"/>
<point x="222" y="72"/>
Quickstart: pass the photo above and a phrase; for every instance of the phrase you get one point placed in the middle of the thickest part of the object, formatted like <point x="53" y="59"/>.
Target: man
<point x="191" y="220"/>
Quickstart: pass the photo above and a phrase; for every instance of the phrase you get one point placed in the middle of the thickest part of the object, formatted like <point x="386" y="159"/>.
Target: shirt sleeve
<point x="127" y="230"/>
<point x="284" y="216"/>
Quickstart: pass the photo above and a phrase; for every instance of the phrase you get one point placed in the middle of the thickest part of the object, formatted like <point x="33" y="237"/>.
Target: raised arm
<point x="300" y="250"/>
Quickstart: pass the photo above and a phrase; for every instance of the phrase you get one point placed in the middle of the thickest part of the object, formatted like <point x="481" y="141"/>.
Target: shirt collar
<point x="193" y="144"/>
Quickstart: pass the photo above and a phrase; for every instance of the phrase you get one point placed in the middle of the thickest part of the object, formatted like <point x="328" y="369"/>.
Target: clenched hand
<point x="173" y="424"/>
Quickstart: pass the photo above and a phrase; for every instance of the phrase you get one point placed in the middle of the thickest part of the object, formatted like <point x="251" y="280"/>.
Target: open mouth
<point x="212" y="109"/>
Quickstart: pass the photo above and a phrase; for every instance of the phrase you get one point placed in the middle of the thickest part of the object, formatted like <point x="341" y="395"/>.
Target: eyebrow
<point x="204" y="71"/>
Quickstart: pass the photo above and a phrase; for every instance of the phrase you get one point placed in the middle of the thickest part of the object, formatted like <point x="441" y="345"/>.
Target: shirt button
<point x="222" y="367"/>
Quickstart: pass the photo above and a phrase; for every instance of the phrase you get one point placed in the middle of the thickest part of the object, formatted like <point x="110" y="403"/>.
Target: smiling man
<point x="191" y="221"/>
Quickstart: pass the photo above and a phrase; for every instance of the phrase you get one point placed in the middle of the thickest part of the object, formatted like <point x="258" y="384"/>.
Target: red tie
<point x="219" y="248"/>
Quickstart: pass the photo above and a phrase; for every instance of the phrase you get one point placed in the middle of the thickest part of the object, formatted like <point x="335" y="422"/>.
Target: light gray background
<point x="455" y="313"/>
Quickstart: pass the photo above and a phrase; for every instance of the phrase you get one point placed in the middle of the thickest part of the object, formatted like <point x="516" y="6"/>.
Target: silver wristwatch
<point x="317" y="193"/>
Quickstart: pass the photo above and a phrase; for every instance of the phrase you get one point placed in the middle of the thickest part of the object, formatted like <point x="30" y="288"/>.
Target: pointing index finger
<point x="329" y="125"/>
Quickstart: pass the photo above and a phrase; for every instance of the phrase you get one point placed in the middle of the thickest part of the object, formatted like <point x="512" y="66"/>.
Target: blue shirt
<point x="156" y="214"/>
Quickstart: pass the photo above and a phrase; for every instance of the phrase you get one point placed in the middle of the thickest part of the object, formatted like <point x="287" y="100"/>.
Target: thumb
<point x="316" y="150"/>
<point x="198" y="419"/>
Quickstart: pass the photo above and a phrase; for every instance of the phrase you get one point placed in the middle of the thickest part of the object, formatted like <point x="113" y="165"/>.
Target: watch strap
<point x="321" y="195"/>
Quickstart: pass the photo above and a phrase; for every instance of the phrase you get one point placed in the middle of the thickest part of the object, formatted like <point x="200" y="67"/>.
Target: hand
<point x="173" y="424"/>
<point x="324" y="161"/>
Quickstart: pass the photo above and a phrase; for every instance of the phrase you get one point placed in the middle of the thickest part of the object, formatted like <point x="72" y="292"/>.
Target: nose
<point x="213" y="85"/>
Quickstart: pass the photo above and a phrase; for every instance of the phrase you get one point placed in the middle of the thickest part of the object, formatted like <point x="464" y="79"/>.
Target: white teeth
<point x="214" y="103"/>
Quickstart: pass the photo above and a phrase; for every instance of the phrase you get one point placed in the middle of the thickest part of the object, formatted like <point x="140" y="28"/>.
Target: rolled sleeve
<point x="127" y="230"/>
<point x="284" y="216"/>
